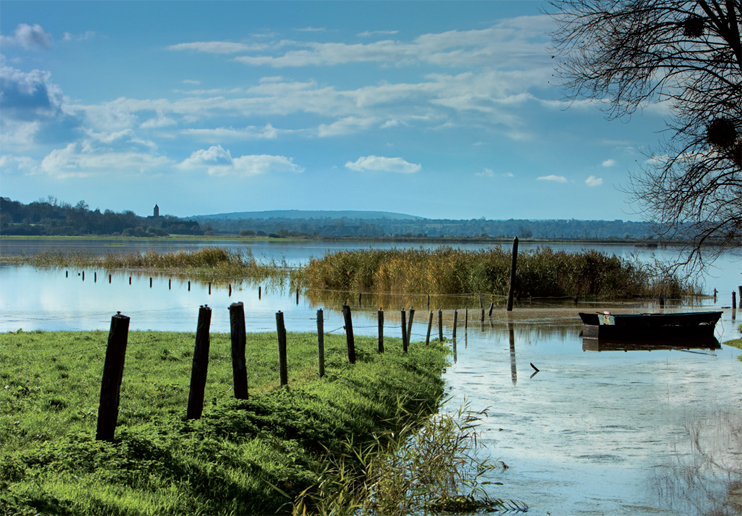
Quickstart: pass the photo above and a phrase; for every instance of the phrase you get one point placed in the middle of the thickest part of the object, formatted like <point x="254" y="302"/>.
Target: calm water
<point x="592" y="433"/>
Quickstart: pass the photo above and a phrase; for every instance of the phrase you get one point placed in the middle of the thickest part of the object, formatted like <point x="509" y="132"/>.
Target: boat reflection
<point x="591" y="344"/>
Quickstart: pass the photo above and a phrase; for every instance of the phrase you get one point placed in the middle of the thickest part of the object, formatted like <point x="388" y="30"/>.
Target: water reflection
<point x="706" y="476"/>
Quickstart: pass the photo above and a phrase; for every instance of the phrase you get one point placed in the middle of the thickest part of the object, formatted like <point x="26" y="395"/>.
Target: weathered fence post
<point x="404" y="331"/>
<point x="283" y="369"/>
<point x="150" y="283"/>
<point x="409" y="325"/>
<point x="466" y="321"/>
<point x="239" y="338"/>
<point x="455" y="318"/>
<point x="297" y="296"/>
<point x="83" y="275"/>
<point x="511" y="290"/>
<point x="109" y="278"/>
<point x="428" y="304"/>
<point x="492" y="306"/>
<point x="95" y="277"/>
<point x="189" y="284"/>
<point x="230" y="290"/>
<point x="200" y="365"/>
<point x="381" y="330"/>
<point x="430" y="327"/>
<point x="170" y="284"/>
<point x="209" y="288"/>
<point x="260" y="293"/>
<point x="113" y="372"/>
<point x="734" y="300"/>
<point x="321" y="342"/>
<point x="349" y="334"/>
<point x="440" y="325"/>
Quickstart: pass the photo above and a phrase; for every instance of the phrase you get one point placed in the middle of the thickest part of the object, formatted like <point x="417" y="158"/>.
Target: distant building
<point x="157" y="211"/>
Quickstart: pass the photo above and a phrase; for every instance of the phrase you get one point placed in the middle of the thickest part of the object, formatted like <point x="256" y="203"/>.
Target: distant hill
<point x="308" y="214"/>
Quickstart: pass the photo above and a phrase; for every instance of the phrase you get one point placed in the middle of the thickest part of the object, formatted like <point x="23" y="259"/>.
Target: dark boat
<point x="683" y="326"/>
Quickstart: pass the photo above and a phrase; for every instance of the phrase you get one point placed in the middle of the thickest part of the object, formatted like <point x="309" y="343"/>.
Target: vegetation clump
<point x="445" y="270"/>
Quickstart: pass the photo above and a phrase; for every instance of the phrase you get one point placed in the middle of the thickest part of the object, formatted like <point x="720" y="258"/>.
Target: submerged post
<point x="113" y="373"/>
<point x="349" y="334"/>
<point x="239" y="338"/>
<point x="200" y="365"/>
<point x="511" y="290"/>
<point x="283" y="370"/>
<point x="321" y="342"/>
<point x="455" y="318"/>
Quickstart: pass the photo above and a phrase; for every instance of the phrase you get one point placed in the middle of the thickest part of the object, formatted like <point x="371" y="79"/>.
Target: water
<point x="591" y="433"/>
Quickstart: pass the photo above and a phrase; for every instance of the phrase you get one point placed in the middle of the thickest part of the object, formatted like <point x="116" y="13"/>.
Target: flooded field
<point x="590" y="433"/>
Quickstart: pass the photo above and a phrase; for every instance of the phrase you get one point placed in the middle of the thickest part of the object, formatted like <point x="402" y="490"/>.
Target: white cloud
<point x="609" y="163"/>
<point x="348" y="125"/>
<point x="594" y="181"/>
<point x="85" y="160"/>
<point x="552" y="177"/>
<point x="222" y="133"/>
<point x="381" y="164"/>
<point x="368" y="33"/>
<point x="22" y="163"/>
<point x="191" y="81"/>
<point x="87" y="35"/>
<point x="216" y="47"/>
<point x="160" y="120"/>
<point x="217" y="161"/>
<point x="30" y="37"/>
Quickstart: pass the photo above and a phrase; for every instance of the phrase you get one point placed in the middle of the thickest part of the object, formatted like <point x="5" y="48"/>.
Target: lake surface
<point x="592" y="433"/>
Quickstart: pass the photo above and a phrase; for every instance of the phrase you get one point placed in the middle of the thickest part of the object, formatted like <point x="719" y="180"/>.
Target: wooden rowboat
<point x="684" y="326"/>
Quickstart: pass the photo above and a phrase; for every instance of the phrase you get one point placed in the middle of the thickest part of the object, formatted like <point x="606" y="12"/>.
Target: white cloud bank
<point x="217" y="161"/>
<point x="381" y="164"/>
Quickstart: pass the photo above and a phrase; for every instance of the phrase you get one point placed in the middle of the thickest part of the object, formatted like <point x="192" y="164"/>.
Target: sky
<point x="436" y="109"/>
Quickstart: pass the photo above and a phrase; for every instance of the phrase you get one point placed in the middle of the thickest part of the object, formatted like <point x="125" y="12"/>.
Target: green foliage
<point x="449" y="271"/>
<point x="242" y="457"/>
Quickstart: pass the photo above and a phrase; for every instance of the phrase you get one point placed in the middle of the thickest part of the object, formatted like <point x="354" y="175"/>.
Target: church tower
<point x="157" y="211"/>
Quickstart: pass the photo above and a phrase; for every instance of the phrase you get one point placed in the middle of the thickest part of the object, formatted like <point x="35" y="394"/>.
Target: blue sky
<point x="437" y="109"/>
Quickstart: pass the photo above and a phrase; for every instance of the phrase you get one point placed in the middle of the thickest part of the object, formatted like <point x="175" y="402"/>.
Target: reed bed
<point x="208" y="263"/>
<point x="541" y="273"/>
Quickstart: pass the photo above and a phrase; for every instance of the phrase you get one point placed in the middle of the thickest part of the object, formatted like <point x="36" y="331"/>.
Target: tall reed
<point x="448" y="271"/>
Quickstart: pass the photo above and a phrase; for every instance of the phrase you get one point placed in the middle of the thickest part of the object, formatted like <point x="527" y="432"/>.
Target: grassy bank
<point x="242" y="457"/>
<point x="540" y="273"/>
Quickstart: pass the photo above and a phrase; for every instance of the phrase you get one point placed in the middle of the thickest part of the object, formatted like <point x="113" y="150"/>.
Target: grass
<point x="252" y="456"/>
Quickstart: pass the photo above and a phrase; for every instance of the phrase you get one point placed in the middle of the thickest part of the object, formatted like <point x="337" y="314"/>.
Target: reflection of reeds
<point x="447" y="271"/>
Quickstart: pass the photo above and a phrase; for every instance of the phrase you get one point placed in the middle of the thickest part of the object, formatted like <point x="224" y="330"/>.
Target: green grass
<point x="737" y="343"/>
<point x="242" y="457"/>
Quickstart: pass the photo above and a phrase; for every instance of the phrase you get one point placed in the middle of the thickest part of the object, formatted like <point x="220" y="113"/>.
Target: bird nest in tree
<point x="693" y="26"/>
<point x="722" y="133"/>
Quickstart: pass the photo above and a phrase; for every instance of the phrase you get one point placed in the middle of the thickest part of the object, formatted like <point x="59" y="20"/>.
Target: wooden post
<point x="260" y="293"/>
<point x="734" y="300"/>
<point x="150" y="283"/>
<point x="66" y="274"/>
<point x="129" y="280"/>
<point x="283" y="370"/>
<point x="511" y="290"/>
<point x="481" y="319"/>
<point x="409" y="325"/>
<point x="428" y="305"/>
<point x="404" y="331"/>
<point x="200" y="365"/>
<point x="359" y="298"/>
<point x="297" y="296"/>
<point x="492" y="305"/>
<point x="95" y="277"/>
<point x="466" y="321"/>
<point x="170" y="284"/>
<point x="381" y="330"/>
<point x="209" y="288"/>
<point x="239" y="338"/>
<point x="230" y="290"/>
<point x="321" y="342"/>
<point x="430" y="326"/>
<point x="349" y="334"/>
<point x="481" y="306"/>
<point x="83" y="275"/>
<point x="440" y="325"/>
<point x="109" y="278"/>
<point x="455" y="318"/>
<point x="113" y="373"/>
<point x="189" y="285"/>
